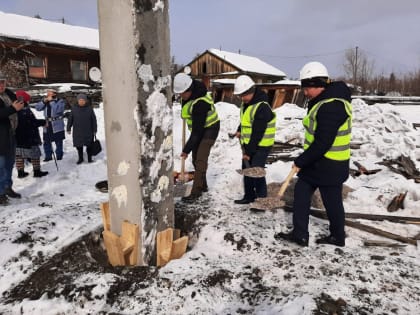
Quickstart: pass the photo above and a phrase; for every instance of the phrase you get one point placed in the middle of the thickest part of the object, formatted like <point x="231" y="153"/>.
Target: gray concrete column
<point x="135" y="65"/>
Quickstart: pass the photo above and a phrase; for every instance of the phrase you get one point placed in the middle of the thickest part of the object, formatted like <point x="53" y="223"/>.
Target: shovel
<point x="180" y="188"/>
<point x="255" y="172"/>
<point x="271" y="203"/>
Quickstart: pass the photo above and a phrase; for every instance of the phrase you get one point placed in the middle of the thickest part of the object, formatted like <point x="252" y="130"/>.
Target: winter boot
<point x="22" y="174"/>
<point x="90" y="160"/>
<point x="11" y="193"/>
<point x="80" y="153"/>
<point x="4" y="201"/>
<point x="39" y="173"/>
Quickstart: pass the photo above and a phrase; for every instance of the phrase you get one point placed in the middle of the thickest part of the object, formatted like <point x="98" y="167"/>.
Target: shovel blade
<point x="267" y="204"/>
<point x="255" y="172"/>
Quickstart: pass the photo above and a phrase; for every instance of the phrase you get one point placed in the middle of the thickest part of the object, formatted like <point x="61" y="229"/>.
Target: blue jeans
<point x="256" y="187"/>
<point x="48" y="150"/>
<point x="6" y="167"/>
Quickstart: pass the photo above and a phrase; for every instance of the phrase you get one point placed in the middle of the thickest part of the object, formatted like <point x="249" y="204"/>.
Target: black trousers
<point x="256" y="187"/>
<point x="333" y="203"/>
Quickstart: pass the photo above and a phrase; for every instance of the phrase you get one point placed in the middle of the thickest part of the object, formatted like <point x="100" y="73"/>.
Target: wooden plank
<point x="113" y="248"/>
<point x="130" y="242"/>
<point x="164" y="246"/>
<point x="367" y="216"/>
<point x="367" y="228"/>
<point x="177" y="234"/>
<point x="179" y="247"/>
<point x="106" y="216"/>
<point x="382" y="244"/>
<point x="379" y="232"/>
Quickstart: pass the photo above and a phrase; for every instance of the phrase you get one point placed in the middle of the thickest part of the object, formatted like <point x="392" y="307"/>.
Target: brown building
<point x="218" y="69"/>
<point x="34" y="51"/>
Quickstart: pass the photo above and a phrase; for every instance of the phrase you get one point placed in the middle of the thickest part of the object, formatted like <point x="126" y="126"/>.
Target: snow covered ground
<point x="233" y="264"/>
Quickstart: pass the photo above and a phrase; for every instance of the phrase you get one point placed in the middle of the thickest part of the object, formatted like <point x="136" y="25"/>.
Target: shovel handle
<point x="183" y="145"/>
<point x="283" y="187"/>
<point x="247" y="165"/>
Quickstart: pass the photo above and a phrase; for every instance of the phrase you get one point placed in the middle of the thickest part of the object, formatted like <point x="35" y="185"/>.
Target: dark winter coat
<point x="315" y="168"/>
<point x="27" y="133"/>
<point x="7" y="137"/>
<point x="263" y="116"/>
<point x="83" y="121"/>
<point x="199" y="115"/>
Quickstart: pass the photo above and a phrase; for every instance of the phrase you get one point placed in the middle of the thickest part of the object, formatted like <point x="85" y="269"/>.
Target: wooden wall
<point x="13" y="61"/>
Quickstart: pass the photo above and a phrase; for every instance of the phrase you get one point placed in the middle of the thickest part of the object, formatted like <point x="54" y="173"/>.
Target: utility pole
<point x="356" y="66"/>
<point x="135" y="66"/>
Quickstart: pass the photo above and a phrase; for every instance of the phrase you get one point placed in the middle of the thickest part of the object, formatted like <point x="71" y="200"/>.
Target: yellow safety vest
<point x="247" y="118"/>
<point x="340" y="149"/>
<point x="186" y="112"/>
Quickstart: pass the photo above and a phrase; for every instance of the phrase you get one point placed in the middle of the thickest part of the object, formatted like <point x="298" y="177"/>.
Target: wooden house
<point x="35" y="51"/>
<point x="218" y="70"/>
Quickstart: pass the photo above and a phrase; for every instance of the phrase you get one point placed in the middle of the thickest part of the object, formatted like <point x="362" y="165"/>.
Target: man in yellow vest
<point x="203" y="122"/>
<point x="324" y="164"/>
<point x="256" y="133"/>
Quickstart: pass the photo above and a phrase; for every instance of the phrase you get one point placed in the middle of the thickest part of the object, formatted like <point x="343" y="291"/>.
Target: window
<point x="204" y="68"/>
<point x="79" y="70"/>
<point x="37" y="67"/>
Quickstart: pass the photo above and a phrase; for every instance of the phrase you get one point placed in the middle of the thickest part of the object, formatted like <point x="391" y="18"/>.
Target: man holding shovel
<point x="203" y="122"/>
<point x="324" y="164"/>
<point x="256" y="132"/>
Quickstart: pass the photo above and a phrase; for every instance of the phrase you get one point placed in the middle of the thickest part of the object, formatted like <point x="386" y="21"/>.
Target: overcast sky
<point x="286" y="33"/>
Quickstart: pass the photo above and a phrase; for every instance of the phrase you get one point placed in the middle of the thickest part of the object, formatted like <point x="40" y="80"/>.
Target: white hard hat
<point x="313" y="69"/>
<point x="242" y="84"/>
<point x="182" y="82"/>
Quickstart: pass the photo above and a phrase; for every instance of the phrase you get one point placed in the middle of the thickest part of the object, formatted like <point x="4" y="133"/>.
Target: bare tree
<point x="358" y="68"/>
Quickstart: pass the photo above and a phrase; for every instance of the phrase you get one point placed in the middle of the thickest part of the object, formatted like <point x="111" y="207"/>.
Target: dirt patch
<point x="61" y="274"/>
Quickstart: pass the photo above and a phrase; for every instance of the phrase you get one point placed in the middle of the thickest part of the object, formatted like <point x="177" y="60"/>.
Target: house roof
<point x="34" y="29"/>
<point x="247" y="63"/>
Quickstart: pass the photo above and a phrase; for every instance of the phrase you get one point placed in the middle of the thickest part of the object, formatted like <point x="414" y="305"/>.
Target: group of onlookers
<point x="20" y="138"/>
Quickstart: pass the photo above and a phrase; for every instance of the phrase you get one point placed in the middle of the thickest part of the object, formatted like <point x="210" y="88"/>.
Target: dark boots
<point x="4" y="201"/>
<point x="22" y="174"/>
<point x="80" y="154"/>
<point x="11" y="193"/>
<point x="39" y="173"/>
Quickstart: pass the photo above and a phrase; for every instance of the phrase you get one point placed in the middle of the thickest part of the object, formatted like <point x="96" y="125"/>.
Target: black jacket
<point x="83" y="121"/>
<point x="315" y="168"/>
<point x="27" y="133"/>
<point x="198" y="116"/>
<point x="7" y="137"/>
<point x="263" y="116"/>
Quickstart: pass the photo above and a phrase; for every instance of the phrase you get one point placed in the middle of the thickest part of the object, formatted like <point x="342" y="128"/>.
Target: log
<point x="369" y="243"/>
<point x="379" y="232"/>
<point x="373" y="217"/>
<point x="405" y="167"/>
<point x="366" y="228"/>
<point x="365" y="216"/>
<point x="362" y="170"/>
<point x="397" y="202"/>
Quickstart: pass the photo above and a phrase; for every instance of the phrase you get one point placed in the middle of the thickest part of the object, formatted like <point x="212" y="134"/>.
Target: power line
<point x="296" y="57"/>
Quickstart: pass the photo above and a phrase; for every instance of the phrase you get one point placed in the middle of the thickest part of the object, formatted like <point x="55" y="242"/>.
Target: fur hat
<point x="2" y="76"/>
<point x="81" y="96"/>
